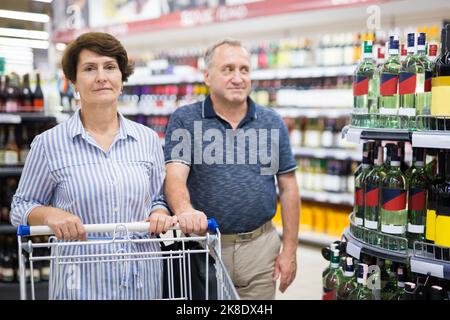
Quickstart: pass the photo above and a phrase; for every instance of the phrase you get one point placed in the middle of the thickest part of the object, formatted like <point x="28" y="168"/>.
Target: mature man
<point x="222" y="156"/>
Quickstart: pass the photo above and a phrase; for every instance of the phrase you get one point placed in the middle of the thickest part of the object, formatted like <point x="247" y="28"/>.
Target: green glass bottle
<point x="390" y="287"/>
<point x="333" y="279"/>
<point x="364" y="88"/>
<point x="428" y="63"/>
<point x="327" y="253"/>
<point x="363" y="170"/>
<point x="349" y="281"/>
<point x="393" y="211"/>
<point x="398" y="295"/>
<point x="411" y="86"/>
<point x="371" y="184"/>
<point x="389" y="100"/>
<point x="417" y="199"/>
<point x="361" y="292"/>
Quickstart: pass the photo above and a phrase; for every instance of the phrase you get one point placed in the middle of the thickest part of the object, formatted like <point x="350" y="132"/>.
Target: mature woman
<point x="98" y="167"/>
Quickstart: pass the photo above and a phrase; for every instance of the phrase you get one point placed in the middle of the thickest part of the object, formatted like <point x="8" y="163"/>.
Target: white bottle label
<point x="359" y="221"/>
<point x="11" y="157"/>
<point x="371" y="224"/>
<point x="410" y="112"/>
<point x="413" y="228"/>
<point x="388" y="111"/>
<point x="391" y="229"/>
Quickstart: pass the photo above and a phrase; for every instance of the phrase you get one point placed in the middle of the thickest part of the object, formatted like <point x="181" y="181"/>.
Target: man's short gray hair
<point x="210" y="51"/>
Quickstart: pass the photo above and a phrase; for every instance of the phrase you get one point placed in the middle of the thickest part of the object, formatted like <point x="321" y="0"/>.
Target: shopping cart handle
<point x="23" y="230"/>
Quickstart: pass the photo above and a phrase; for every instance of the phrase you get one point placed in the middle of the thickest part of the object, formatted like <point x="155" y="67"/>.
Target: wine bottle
<point x="38" y="96"/>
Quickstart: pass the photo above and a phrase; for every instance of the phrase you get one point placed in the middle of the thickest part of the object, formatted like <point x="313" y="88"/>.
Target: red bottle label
<point x="428" y="77"/>
<point x="358" y="196"/>
<point x="407" y="83"/>
<point x="416" y="199"/>
<point x="371" y="195"/>
<point x="360" y="86"/>
<point x="388" y="86"/>
<point x="393" y="199"/>
<point x="327" y="294"/>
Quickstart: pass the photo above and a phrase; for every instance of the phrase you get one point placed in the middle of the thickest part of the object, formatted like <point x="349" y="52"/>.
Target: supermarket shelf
<point x="355" y="135"/>
<point x="328" y="197"/>
<point x="11" y="291"/>
<point x="322" y="153"/>
<point x="431" y="139"/>
<point x="430" y="267"/>
<point x="144" y="78"/>
<point x="294" y="112"/>
<point x="355" y="247"/>
<point x="10" y="171"/>
<point x="17" y="118"/>
<point x="7" y="229"/>
<point x="146" y="111"/>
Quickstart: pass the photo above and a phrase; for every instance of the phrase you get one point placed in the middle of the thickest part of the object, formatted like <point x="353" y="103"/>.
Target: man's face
<point x="228" y="76"/>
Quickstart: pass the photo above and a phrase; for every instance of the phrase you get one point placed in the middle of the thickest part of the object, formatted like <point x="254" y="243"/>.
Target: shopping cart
<point x="117" y="266"/>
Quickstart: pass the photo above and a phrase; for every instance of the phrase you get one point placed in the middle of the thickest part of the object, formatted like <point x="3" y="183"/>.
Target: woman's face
<point x="99" y="80"/>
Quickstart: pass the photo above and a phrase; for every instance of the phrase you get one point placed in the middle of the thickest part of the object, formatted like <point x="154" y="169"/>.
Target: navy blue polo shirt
<point x="232" y="172"/>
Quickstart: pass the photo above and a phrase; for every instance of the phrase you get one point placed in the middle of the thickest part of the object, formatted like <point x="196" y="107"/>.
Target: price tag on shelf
<point x="353" y="250"/>
<point x="10" y="118"/>
<point x="424" y="267"/>
<point x="353" y="135"/>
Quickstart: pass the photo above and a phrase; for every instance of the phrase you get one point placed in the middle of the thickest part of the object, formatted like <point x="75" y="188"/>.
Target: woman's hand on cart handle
<point x="65" y="225"/>
<point x="160" y="221"/>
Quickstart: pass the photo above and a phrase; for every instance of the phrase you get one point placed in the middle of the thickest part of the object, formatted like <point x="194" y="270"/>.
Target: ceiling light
<point x="37" y="44"/>
<point x="22" y="33"/>
<point x="28" y="16"/>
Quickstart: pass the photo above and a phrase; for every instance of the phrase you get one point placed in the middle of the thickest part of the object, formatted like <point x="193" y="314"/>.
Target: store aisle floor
<point x="308" y="283"/>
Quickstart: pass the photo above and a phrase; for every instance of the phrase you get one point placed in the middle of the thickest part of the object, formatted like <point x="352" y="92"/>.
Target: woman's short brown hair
<point x="101" y="43"/>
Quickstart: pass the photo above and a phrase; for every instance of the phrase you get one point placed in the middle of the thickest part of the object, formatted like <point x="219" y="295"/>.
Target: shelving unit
<point x="330" y="153"/>
<point x="11" y="171"/>
<point x="327" y="197"/>
<point x="17" y="118"/>
<point x="418" y="258"/>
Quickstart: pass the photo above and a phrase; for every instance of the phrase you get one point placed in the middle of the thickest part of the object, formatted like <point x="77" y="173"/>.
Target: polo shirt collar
<point x="75" y="127"/>
<point x="208" y="109"/>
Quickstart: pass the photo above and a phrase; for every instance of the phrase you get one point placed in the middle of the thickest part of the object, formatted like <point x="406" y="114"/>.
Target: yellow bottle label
<point x="442" y="236"/>
<point x="440" y="96"/>
<point x="430" y="225"/>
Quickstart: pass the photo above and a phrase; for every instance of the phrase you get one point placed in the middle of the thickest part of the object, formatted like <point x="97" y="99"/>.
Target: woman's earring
<point x="76" y="95"/>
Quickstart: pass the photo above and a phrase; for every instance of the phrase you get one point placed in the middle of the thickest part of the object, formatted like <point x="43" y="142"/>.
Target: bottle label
<point x="11" y="157"/>
<point x="442" y="236"/>
<point x="371" y="224"/>
<point x="430" y="223"/>
<point x="359" y="221"/>
<point x="371" y="195"/>
<point x="427" y="85"/>
<point x="440" y="96"/>
<point x="358" y="196"/>
<point x="360" y="86"/>
<point x="416" y="199"/>
<point x="388" y="85"/>
<point x="393" y="199"/>
<point x="407" y="83"/>
<point x="392" y="229"/>
<point x="414" y="228"/>
<point x="328" y="294"/>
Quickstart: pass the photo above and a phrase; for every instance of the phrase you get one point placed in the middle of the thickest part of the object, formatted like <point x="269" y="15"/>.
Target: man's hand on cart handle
<point x="193" y="221"/>
<point x="65" y="225"/>
<point x="160" y="221"/>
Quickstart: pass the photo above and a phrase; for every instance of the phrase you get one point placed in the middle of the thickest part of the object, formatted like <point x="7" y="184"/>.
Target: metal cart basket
<point x="120" y="261"/>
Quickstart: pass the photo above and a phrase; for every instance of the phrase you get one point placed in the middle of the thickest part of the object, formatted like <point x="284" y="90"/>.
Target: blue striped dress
<point x="67" y="169"/>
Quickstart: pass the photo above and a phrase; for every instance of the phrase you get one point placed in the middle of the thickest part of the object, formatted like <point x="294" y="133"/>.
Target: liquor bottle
<point x="437" y="178"/>
<point x="436" y="293"/>
<point x="408" y="294"/>
<point x="417" y="199"/>
<point x="428" y="63"/>
<point x="26" y="96"/>
<point x="11" y="95"/>
<point x="393" y="212"/>
<point x="8" y="264"/>
<point x="38" y="96"/>
<point x="366" y="167"/>
<point x="24" y="144"/>
<point x="389" y="100"/>
<point x="442" y="224"/>
<point x="349" y="282"/>
<point x="398" y="295"/>
<point x="440" y="90"/>
<point x="401" y="154"/>
<point x="411" y="87"/>
<point x="389" y="280"/>
<point x="2" y="145"/>
<point x="361" y="292"/>
<point x="372" y="194"/>
<point x="2" y="95"/>
<point x="333" y="278"/>
<point x="327" y="253"/>
<point x="364" y="88"/>
<point x="11" y="148"/>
